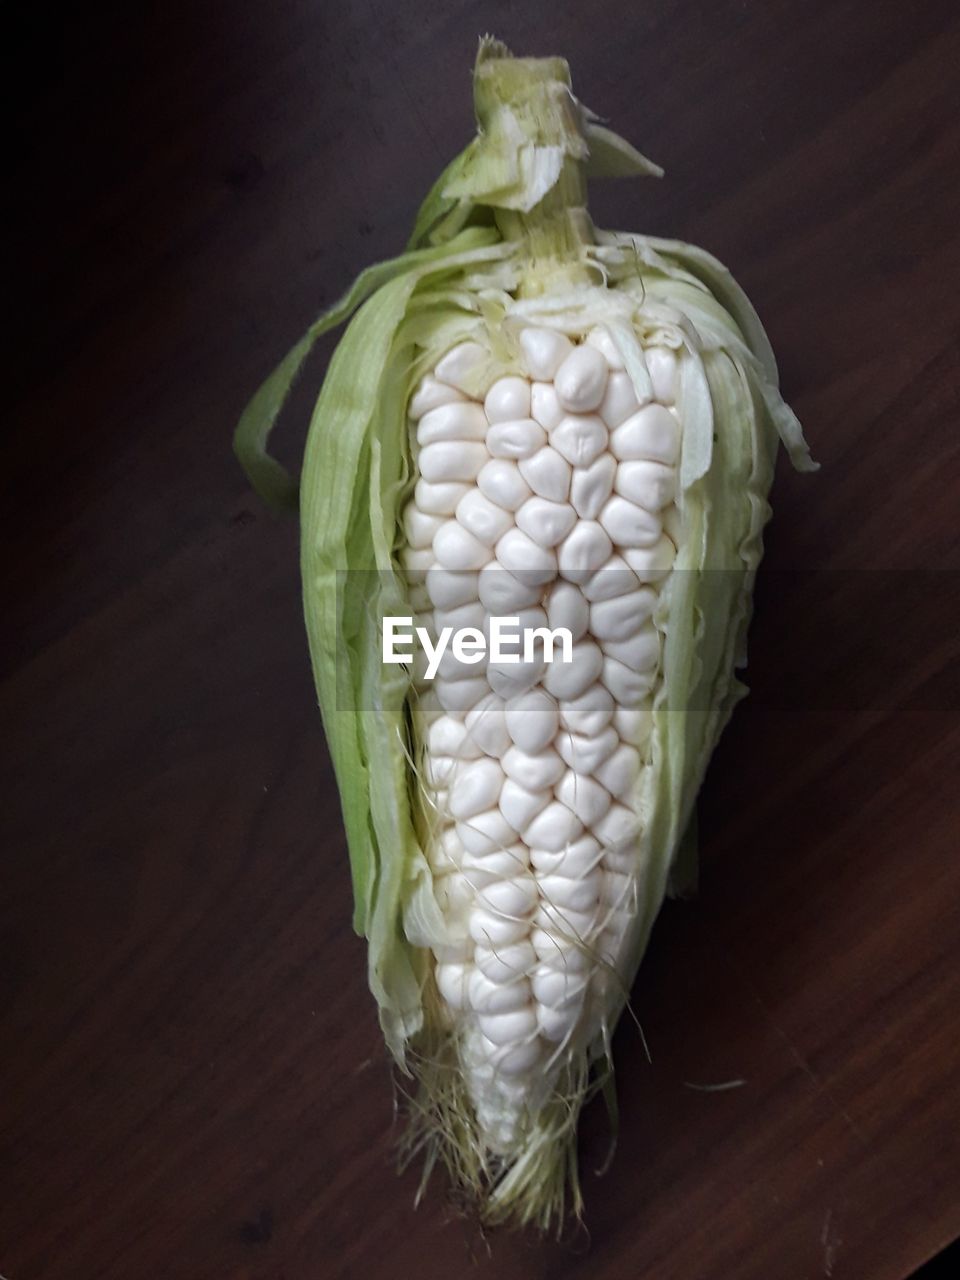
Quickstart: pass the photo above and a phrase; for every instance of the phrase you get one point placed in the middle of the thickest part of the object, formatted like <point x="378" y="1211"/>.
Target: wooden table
<point x="193" y="1083"/>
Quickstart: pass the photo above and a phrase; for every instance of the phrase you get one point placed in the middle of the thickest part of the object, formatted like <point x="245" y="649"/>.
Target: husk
<point x="466" y="276"/>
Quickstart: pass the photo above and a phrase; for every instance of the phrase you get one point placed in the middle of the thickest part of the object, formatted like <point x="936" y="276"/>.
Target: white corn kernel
<point x="557" y="946"/>
<point x="568" y="894"/>
<point x="452" y="984"/>
<point x="519" y="554"/>
<point x="567" y="926"/>
<point x="447" y="736"/>
<point x="544" y="350"/>
<point x="505" y="963"/>
<point x="458" y="696"/>
<point x="428" y="705"/>
<point x="418" y="527"/>
<point x="510" y="679"/>
<point x="485" y="996"/>
<point x="630" y="688"/>
<point x="532" y="720"/>
<point x="551" y="986"/>
<point x="493" y="929"/>
<point x="622" y="862"/>
<point x="652" y="564"/>
<point x="651" y="433"/>
<point x="485" y="726"/>
<point x="460" y="421"/>
<point x="629" y="525"/>
<point x="438" y="499"/>
<point x="536" y="771"/>
<point x="546" y="522"/>
<point x="553" y="827"/>
<point x="545" y="408"/>
<point x="516" y="439"/>
<point x="449" y="588"/>
<point x="485" y="833"/>
<point x="416" y="562"/>
<point x="585" y="754"/>
<point x="516" y="896"/>
<point x="447" y="854"/>
<point x="431" y="394"/>
<point x="662" y="366"/>
<point x="456" y="895"/>
<point x="450" y="460"/>
<point x="456" y="548"/>
<point x="557" y="1025"/>
<point x="440" y="770"/>
<point x="622" y="616"/>
<point x="459" y="363"/>
<point x="639" y="651"/>
<point x="503" y="593"/>
<point x="500" y="481"/>
<point x="583" y="551"/>
<point x="588" y="714"/>
<point x="619" y="890"/>
<point x="478" y="787"/>
<point x="419" y="597"/>
<point x="650" y="484"/>
<point x="508" y="1028"/>
<point x="495" y="864"/>
<point x="588" y="799"/>
<point x="601" y="338"/>
<point x="507" y="399"/>
<point x="615" y="578"/>
<point x="471" y="614"/>
<point x="620" y="771"/>
<point x="672" y="524"/>
<point x="575" y="861"/>
<point x="580" y="438"/>
<point x="591" y="486"/>
<point x="512" y="638"/>
<point x="482" y="518"/>
<point x="520" y="806"/>
<point x="617" y="826"/>
<point x="567" y="608"/>
<point x="634" y="724"/>
<point x="619" y="401"/>
<point x="568" y="680"/>
<point x="515" y="1060"/>
<point x="581" y="380"/>
<point x="547" y="473"/>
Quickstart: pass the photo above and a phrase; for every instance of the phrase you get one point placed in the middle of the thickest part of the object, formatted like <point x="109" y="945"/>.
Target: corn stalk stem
<point x="553" y="234"/>
<point x="529" y="102"/>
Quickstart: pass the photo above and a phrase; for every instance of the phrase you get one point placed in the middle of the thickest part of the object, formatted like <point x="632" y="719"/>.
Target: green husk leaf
<point x="355" y="466"/>
<point x="272" y="482"/>
<point x="684" y="872"/>
<point x="613" y="157"/>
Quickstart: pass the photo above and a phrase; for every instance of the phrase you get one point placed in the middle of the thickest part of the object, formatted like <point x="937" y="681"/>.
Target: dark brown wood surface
<point x="193" y="1084"/>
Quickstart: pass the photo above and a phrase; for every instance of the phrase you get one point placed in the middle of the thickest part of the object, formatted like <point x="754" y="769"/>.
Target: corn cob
<point x="530" y="417"/>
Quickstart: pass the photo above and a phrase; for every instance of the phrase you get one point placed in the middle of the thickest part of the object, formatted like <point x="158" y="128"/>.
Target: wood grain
<point x="193" y="1084"/>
